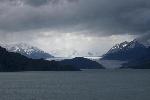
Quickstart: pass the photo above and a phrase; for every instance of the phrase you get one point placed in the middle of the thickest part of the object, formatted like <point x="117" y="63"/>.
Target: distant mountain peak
<point x="126" y="46"/>
<point x="127" y="50"/>
<point x="22" y="47"/>
<point x="27" y="50"/>
<point x="135" y="44"/>
<point x="118" y="47"/>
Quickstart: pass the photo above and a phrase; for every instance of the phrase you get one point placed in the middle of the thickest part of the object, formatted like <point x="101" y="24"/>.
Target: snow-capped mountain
<point x="71" y="53"/>
<point x="75" y="53"/>
<point x="27" y="50"/>
<point x="118" y="47"/>
<point x="126" y="46"/>
<point x="127" y="51"/>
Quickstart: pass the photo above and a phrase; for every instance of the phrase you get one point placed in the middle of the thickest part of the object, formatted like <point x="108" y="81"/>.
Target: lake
<point x="115" y="84"/>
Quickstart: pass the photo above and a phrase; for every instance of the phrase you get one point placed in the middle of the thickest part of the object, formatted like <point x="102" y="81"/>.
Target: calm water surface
<point x="83" y="85"/>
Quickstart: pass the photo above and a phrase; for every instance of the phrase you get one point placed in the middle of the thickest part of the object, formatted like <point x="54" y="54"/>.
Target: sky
<point x="79" y="27"/>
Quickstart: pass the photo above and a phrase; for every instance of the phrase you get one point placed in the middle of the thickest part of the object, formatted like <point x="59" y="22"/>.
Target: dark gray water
<point x="83" y="85"/>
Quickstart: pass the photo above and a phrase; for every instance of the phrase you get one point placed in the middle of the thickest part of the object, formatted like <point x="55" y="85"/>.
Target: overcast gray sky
<point x="66" y="26"/>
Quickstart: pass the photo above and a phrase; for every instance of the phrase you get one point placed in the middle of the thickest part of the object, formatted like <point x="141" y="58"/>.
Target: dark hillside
<point x="10" y="61"/>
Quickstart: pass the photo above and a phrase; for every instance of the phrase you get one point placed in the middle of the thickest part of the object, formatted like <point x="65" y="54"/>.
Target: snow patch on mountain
<point x="129" y="45"/>
<point x="27" y="50"/>
<point x="118" y="47"/>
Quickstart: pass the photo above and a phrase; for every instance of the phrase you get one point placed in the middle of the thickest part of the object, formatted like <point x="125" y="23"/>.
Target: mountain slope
<point x="136" y="54"/>
<point x="118" y="47"/>
<point x="28" y="51"/>
<point x="10" y="61"/>
<point x="82" y="63"/>
<point x="127" y="51"/>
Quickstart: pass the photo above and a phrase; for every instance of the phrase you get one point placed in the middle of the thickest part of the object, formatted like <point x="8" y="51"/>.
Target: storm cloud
<point x="47" y="23"/>
<point x="100" y="17"/>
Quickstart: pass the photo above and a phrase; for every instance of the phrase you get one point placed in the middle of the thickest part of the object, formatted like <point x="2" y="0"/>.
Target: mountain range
<point x="71" y="53"/>
<point x="27" y="50"/>
<point x="11" y="61"/>
<point x="127" y="51"/>
<point x="135" y="53"/>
